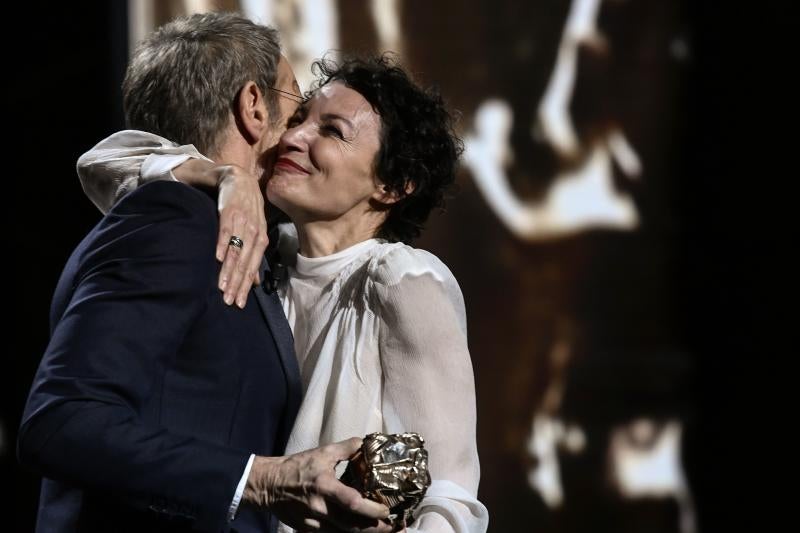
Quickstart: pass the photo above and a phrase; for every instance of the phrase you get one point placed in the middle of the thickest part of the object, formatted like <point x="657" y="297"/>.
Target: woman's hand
<point x="241" y="215"/>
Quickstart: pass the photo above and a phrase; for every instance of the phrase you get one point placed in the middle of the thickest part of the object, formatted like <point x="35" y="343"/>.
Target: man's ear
<point x="252" y="116"/>
<point x="386" y="196"/>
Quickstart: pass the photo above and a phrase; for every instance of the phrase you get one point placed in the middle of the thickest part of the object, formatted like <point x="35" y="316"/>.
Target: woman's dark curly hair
<point x="418" y="148"/>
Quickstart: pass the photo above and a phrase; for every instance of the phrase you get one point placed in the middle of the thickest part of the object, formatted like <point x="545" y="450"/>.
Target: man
<point x="157" y="407"/>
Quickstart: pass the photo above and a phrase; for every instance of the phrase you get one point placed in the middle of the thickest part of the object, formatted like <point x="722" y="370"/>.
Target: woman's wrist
<point x="198" y="173"/>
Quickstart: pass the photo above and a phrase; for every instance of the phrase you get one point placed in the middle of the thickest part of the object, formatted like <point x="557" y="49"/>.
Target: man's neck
<point x="238" y="153"/>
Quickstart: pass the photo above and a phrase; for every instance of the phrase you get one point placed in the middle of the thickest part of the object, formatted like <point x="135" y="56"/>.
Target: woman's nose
<point x="295" y="138"/>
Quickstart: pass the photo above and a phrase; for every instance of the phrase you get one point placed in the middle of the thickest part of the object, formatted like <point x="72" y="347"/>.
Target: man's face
<point x="288" y="96"/>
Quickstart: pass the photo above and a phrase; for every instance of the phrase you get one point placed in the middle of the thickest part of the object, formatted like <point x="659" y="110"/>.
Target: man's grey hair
<point x="183" y="79"/>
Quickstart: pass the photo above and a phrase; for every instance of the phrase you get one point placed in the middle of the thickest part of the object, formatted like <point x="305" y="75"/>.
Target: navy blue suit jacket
<point x="153" y="393"/>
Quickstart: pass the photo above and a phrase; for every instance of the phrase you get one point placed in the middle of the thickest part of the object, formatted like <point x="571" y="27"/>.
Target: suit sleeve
<point x="143" y="279"/>
<point x="126" y="160"/>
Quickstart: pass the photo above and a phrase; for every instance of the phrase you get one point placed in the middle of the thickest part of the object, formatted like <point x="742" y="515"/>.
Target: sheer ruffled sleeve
<point x="121" y="162"/>
<point x="429" y="385"/>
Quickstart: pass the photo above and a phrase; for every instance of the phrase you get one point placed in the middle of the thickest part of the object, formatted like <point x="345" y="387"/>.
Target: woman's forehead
<point x="338" y="98"/>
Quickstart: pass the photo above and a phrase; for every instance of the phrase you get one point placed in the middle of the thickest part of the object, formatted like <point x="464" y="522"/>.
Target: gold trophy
<point x="392" y="470"/>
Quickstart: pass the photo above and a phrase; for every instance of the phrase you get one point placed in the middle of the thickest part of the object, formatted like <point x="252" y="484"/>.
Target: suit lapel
<point x="284" y="341"/>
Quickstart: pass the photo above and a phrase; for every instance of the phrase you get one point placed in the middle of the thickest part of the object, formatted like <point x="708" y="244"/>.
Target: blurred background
<point x="606" y="304"/>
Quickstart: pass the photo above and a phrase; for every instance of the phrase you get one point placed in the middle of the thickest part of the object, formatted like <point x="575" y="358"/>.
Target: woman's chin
<point x="278" y="200"/>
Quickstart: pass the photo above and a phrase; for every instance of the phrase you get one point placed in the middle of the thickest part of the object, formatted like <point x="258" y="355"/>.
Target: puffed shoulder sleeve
<point x="429" y="385"/>
<point x="127" y="159"/>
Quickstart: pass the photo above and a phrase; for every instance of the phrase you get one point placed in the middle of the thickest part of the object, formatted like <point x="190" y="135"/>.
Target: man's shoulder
<point x="154" y="219"/>
<point x="163" y="197"/>
<point x="163" y="234"/>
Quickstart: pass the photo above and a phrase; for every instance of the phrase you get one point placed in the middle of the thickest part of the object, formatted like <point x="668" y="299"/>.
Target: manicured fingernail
<point x="228" y="299"/>
<point x="223" y="284"/>
<point x="241" y="303"/>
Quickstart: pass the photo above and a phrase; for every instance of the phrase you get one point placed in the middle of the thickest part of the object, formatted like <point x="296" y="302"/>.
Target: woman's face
<point x="325" y="164"/>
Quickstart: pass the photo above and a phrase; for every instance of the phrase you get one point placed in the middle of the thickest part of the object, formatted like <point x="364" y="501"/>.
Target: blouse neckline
<point x="328" y="265"/>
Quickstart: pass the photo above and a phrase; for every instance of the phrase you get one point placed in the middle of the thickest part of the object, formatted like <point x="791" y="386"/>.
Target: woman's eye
<point x="332" y="130"/>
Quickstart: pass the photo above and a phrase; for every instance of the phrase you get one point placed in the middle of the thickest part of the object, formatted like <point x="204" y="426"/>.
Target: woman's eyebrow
<point x="334" y="116"/>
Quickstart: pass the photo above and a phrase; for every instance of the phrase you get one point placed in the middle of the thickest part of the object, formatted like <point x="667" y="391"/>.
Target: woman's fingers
<point x="242" y="239"/>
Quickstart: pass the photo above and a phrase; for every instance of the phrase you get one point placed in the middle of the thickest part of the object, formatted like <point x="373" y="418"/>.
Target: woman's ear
<point x="386" y="196"/>
<point x="252" y="116"/>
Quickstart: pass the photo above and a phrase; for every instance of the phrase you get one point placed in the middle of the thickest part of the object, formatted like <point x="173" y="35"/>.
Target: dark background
<point x="67" y="61"/>
<point x="63" y="75"/>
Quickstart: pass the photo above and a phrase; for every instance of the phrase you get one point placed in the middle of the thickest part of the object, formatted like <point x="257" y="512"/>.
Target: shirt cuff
<point x="160" y="166"/>
<point x="237" y="497"/>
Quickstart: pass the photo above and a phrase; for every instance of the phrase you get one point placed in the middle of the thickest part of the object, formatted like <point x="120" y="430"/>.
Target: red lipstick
<point x="286" y="162"/>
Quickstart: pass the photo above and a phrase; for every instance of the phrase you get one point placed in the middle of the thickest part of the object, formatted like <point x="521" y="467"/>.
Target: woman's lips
<point x="288" y="163"/>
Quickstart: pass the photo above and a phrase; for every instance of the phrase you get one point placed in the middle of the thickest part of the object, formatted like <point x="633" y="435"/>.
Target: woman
<point x="379" y="327"/>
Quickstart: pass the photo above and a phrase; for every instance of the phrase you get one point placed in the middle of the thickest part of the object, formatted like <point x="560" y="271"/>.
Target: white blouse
<point x="380" y="336"/>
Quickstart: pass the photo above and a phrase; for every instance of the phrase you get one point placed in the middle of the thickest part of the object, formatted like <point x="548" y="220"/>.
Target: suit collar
<point x="284" y="341"/>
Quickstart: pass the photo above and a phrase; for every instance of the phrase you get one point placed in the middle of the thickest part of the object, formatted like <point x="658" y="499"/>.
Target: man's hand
<point x="303" y="492"/>
<point x="241" y="214"/>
